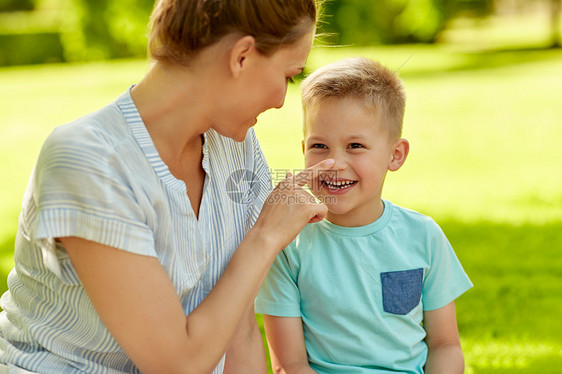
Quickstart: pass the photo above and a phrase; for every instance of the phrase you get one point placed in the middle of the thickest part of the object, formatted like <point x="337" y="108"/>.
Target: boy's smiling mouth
<point x="338" y="186"/>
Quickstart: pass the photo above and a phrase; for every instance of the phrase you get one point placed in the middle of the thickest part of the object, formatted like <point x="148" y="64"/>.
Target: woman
<point x="130" y="224"/>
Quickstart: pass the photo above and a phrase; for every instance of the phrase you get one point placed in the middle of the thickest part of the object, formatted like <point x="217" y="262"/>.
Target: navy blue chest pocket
<point x="401" y="290"/>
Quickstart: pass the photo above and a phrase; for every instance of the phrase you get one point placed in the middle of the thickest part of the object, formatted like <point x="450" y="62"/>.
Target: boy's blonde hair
<point x="364" y="79"/>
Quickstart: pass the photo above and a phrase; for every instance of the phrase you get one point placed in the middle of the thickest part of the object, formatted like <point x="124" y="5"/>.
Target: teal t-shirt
<point x="361" y="291"/>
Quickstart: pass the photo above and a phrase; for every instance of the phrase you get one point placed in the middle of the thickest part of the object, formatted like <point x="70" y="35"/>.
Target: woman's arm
<point x="286" y="345"/>
<point x="445" y="353"/>
<point x="245" y="353"/>
<point x="138" y="304"/>
<point x="140" y="307"/>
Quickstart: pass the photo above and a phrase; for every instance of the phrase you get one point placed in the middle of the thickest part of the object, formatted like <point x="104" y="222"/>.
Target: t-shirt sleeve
<point x="446" y="279"/>
<point x="80" y="187"/>
<point x="279" y="295"/>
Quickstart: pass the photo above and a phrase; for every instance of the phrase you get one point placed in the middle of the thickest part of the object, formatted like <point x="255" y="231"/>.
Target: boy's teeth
<point x="339" y="184"/>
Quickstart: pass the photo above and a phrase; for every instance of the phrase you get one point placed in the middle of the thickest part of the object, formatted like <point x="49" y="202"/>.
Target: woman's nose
<point x="282" y="99"/>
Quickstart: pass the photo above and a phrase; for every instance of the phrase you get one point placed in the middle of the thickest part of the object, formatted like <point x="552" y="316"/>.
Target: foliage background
<point x="483" y="118"/>
<point x="38" y="31"/>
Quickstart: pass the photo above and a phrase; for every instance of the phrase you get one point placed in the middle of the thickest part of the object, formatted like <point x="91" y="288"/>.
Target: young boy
<point x="371" y="289"/>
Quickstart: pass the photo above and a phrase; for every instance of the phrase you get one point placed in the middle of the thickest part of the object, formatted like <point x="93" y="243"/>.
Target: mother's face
<point x="261" y="85"/>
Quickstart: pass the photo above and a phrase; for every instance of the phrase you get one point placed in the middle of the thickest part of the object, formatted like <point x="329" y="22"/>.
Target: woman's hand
<point x="289" y="208"/>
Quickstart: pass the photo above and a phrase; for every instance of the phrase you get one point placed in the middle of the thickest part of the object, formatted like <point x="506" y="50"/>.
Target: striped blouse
<point x="101" y="178"/>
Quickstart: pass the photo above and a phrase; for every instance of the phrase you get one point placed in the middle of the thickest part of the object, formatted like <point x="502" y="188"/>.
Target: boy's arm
<point x="286" y="345"/>
<point x="444" y="348"/>
<point x="246" y="353"/>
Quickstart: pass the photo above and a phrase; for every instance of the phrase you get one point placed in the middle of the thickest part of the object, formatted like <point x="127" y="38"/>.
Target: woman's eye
<point x="318" y="146"/>
<point x="356" y="145"/>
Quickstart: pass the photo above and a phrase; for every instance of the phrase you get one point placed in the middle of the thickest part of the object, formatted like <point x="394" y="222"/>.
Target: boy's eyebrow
<point x="356" y="137"/>
<point x="314" y="139"/>
<point x="347" y="138"/>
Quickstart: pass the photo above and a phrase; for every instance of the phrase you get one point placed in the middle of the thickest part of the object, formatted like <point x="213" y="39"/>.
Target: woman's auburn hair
<point x="181" y="28"/>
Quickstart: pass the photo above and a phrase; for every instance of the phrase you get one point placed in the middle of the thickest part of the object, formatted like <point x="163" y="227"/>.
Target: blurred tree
<point x="555" y="15"/>
<point x="362" y="22"/>
<point x="109" y="28"/>
<point x="16" y="5"/>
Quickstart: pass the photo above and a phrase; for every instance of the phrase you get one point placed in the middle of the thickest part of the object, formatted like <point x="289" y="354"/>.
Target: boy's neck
<point x="357" y="217"/>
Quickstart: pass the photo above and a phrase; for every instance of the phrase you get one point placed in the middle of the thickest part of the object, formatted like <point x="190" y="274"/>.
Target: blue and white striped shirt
<point x="101" y="178"/>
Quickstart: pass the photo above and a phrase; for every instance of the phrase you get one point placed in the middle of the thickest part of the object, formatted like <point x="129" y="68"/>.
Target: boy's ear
<point x="302" y="143"/>
<point x="399" y="153"/>
<point x="239" y="53"/>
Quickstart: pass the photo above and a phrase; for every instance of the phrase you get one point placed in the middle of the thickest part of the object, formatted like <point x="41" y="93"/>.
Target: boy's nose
<point x="340" y="164"/>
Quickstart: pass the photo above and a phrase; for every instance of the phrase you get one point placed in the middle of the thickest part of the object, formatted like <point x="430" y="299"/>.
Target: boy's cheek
<point x="311" y="157"/>
<point x="309" y="160"/>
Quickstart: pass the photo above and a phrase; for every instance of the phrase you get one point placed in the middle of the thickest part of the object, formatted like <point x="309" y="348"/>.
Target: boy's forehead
<point x="344" y="112"/>
<point x="341" y="105"/>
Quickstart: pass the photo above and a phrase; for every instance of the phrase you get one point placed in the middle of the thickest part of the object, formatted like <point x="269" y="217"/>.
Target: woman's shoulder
<point x="98" y="142"/>
<point x="104" y="127"/>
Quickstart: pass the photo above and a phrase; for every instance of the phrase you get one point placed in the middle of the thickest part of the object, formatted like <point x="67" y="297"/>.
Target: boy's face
<point x="347" y="131"/>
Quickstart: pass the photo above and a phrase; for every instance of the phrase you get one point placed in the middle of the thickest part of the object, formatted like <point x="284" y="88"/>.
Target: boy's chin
<point x="335" y="212"/>
<point x="326" y="200"/>
<point x="334" y="209"/>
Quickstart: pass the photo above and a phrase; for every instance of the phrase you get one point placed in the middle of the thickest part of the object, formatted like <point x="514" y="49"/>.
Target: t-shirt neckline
<point x="366" y="230"/>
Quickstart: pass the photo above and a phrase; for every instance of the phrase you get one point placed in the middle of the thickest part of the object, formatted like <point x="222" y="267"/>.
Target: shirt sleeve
<point x="279" y="295"/>
<point x="446" y="279"/>
<point x="262" y="188"/>
<point x="80" y="187"/>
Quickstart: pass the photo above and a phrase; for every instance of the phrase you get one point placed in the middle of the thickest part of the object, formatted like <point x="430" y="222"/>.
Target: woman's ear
<point x="400" y="151"/>
<point x="302" y="143"/>
<point x="242" y="48"/>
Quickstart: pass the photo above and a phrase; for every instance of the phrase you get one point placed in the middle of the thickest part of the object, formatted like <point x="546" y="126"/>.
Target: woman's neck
<point x="174" y="118"/>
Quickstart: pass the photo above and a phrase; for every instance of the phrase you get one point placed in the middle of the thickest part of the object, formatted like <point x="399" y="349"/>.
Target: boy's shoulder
<point x="310" y="233"/>
<point x="410" y="217"/>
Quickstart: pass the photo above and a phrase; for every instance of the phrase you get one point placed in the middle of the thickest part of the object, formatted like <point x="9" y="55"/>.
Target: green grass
<point x="484" y="129"/>
<point x="509" y="321"/>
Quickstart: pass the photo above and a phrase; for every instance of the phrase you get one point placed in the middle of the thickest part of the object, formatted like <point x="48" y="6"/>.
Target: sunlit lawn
<point x="485" y="162"/>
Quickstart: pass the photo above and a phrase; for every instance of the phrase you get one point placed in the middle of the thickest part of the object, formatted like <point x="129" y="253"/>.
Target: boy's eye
<point x="356" y="145"/>
<point x="318" y="146"/>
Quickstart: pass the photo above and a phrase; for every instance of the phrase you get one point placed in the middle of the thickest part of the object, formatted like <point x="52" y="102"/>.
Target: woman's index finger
<point x="309" y="174"/>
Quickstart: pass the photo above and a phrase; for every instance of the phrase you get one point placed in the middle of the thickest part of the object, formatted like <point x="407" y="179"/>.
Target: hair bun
<point x="181" y="28"/>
